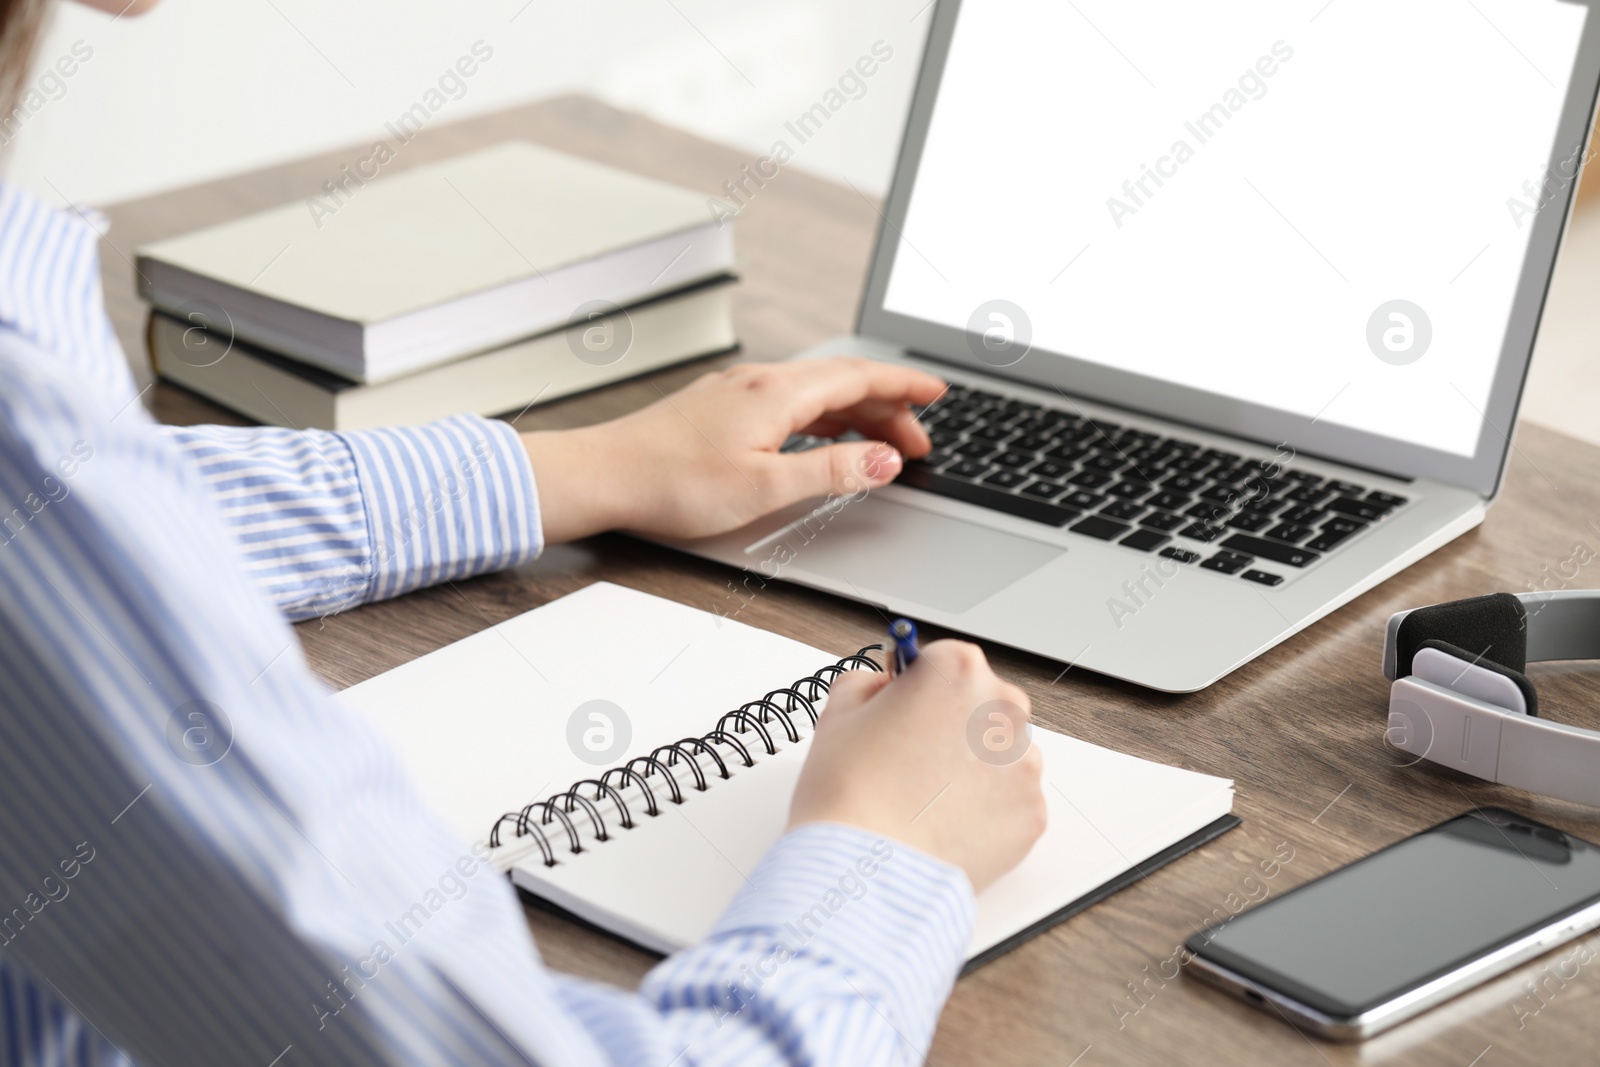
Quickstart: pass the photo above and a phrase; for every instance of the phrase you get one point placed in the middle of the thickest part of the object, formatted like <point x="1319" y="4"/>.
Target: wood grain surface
<point x="1300" y="729"/>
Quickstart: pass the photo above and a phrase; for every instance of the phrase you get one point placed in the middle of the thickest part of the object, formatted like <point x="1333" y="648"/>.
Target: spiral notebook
<point x="631" y="759"/>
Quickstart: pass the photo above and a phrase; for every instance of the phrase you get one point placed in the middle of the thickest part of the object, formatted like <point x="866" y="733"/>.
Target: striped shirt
<point x="204" y="856"/>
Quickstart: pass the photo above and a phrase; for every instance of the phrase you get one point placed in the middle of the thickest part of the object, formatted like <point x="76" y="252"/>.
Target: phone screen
<point x="1356" y="938"/>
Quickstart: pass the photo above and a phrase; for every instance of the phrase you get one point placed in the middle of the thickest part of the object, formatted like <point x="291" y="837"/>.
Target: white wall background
<point x="202" y="88"/>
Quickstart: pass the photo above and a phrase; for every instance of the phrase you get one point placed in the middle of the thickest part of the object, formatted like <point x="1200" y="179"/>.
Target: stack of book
<point x="483" y="284"/>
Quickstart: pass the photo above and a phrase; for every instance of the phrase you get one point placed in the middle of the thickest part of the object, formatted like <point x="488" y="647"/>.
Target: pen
<point x="903" y="635"/>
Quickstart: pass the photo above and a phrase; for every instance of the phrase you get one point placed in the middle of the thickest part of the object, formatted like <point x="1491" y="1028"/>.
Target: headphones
<point x="1460" y="697"/>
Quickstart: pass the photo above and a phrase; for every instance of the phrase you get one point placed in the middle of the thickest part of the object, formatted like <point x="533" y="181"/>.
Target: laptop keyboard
<point x="1254" y="518"/>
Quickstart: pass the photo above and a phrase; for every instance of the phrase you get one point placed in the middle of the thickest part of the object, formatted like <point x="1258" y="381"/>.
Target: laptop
<point x="1235" y="301"/>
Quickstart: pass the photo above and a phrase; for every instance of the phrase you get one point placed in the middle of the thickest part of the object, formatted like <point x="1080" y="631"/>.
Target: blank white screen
<point x="1378" y="161"/>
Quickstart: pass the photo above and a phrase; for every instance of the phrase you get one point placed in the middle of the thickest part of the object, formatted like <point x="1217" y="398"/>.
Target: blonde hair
<point x="21" y="24"/>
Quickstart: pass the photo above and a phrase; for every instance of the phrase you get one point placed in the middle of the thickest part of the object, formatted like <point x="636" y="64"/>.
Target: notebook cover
<point x="1202" y="836"/>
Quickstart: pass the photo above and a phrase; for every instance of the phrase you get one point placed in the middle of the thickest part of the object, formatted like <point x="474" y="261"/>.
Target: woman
<point x="159" y="909"/>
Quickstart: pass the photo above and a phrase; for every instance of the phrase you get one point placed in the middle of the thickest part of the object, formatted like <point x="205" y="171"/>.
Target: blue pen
<point x="903" y="634"/>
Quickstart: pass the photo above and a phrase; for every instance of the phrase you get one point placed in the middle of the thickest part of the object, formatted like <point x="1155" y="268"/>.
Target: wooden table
<point x="1300" y="729"/>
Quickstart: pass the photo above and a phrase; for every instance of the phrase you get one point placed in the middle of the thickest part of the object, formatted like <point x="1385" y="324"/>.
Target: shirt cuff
<point x="446" y="500"/>
<point x="876" y="906"/>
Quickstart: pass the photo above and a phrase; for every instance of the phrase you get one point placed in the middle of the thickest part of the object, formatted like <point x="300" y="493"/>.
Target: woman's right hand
<point x="938" y="759"/>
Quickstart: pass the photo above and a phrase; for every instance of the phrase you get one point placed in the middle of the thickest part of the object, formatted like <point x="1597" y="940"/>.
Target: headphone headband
<point x="1460" y="699"/>
<point x="1512" y="630"/>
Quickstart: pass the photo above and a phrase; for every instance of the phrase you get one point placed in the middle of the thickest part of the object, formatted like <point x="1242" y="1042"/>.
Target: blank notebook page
<point x="482" y="726"/>
<point x="664" y="889"/>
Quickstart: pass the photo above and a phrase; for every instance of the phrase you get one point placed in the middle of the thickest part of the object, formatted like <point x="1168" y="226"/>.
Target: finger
<point x="877" y="420"/>
<point x="866" y="413"/>
<point x="959" y="661"/>
<point x="1032" y="764"/>
<point x="810" y="389"/>
<point x="852" y="689"/>
<point x="844" y="469"/>
<point x="1013" y="694"/>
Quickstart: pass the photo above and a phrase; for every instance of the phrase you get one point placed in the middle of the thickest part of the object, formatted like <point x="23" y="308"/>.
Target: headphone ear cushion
<point x="1493" y="627"/>
<point x="1529" y="696"/>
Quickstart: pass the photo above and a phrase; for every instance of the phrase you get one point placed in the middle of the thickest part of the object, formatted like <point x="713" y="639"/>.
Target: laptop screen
<point x="1322" y="208"/>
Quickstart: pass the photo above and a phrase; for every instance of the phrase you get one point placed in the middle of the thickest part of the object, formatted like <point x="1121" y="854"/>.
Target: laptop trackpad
<point x="903" y="552"/>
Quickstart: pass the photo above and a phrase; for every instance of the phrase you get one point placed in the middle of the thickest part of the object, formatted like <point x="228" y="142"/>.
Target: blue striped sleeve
<point x="208" y="861"/>
<point x="165" y="742"/>
<point x="841" y="948"/>
<point x="840" y="939"/>
<point x="325" y="521"/>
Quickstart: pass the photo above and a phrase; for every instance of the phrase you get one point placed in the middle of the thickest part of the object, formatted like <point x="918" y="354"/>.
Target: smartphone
<point x="1388" y="937"/>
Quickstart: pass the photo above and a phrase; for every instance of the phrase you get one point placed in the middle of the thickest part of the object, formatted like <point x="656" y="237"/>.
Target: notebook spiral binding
<point x="754" y="716"/>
